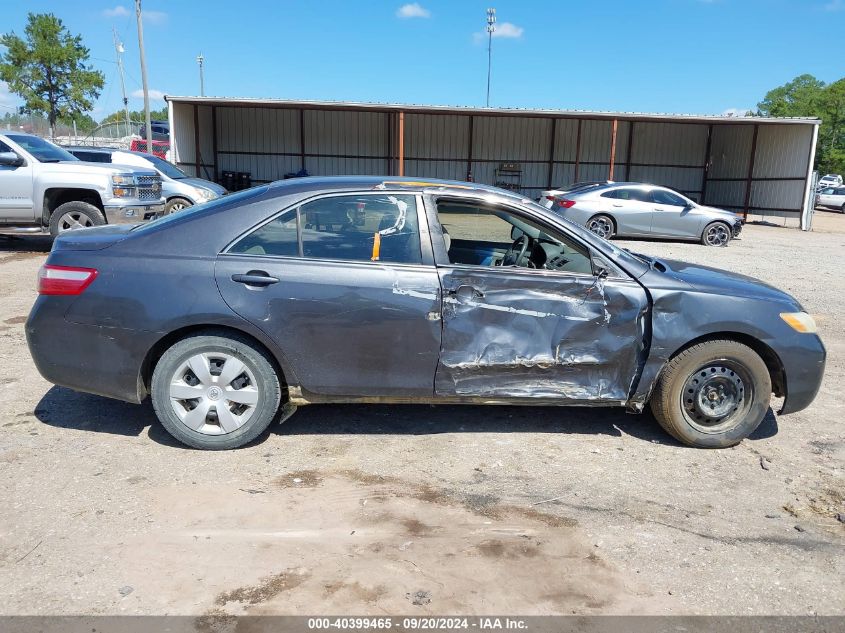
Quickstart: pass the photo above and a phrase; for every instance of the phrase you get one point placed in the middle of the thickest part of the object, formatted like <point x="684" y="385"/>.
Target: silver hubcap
<point x="601" y="227"/>
<point x="715" y="397"/>
<point x="213" y="393"/>
<point x="717" y="235"/>
<point x="74" y="220"/>
<point x="177" y="206"/>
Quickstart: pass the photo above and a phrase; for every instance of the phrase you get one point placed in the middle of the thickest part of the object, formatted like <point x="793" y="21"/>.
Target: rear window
<point x="199" y="209"/>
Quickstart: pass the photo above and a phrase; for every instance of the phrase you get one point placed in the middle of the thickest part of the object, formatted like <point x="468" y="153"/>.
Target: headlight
<point x="205" y="194"/>
<point x="123" y="192"/>
<point x="122" y="179"/>
<point x="799" y="321"/>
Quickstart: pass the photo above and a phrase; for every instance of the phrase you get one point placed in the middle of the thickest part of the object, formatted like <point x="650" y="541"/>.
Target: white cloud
<point x="506" y="29"/>
<point x="503" y="29"/>
<point x="412" y="10"/>
<point x="155" y="95"/>
<point x="735" y="111"/>
<point x="117" y="12"/>
<point x="834" y="5"/>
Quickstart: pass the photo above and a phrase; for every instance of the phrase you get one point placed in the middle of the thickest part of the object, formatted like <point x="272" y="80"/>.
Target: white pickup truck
<point x="45" y="188"/>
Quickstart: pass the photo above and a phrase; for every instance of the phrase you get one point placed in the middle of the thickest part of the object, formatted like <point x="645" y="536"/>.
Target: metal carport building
<point x="752" y="165"/>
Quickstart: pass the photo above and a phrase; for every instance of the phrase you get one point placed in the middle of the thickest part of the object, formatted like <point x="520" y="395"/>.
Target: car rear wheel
<point x="713" y="395"/>
<point x="174" y="205"/>
<point x="215" y="392"/>
<point x="716" y="234"/>
<point x="74" y="215"/>
<point x="602" y="225"/>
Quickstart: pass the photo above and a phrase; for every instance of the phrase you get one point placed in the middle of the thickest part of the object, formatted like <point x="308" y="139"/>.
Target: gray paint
<point x="357" y="332"/>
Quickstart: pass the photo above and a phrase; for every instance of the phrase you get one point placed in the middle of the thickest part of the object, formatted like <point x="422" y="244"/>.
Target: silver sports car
<point x="630" y="209"/>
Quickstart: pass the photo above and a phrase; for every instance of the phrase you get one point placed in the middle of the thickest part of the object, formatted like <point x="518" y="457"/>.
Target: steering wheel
<point x="511" y="258"/>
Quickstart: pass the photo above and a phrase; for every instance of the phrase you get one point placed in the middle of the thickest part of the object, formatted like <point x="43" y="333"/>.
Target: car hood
<point x="721" y="213"/>
<point x="82" y="167"/>
<point x="204" y="184"/>
<point x="721" y="282"/>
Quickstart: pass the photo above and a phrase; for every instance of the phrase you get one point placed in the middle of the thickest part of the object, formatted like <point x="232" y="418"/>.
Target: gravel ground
<point x="429" y="510"/>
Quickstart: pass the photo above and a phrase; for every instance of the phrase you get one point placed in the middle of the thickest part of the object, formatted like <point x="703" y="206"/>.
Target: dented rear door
<point x="537" y="334"/>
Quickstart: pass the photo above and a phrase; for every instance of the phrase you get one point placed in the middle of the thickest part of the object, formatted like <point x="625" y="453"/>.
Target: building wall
<point x="270" y="142"/>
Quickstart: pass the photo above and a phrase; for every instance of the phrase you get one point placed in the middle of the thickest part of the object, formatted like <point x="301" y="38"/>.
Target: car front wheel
<point x="716" y="234"/>
<point x="215" y="392"/>
<point x="175" y="205"/>
<point x="713" y="394"/>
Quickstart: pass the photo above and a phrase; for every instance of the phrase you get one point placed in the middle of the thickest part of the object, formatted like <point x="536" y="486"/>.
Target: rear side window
<point x="369" y="228"/>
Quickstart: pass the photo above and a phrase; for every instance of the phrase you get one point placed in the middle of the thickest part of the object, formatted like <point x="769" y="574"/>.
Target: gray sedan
<point x="627" y="209"/>
<point x="392" y="290"/>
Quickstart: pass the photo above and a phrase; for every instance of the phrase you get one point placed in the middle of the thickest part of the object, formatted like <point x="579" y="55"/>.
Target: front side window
<point x="366" y="228"/>
<point x="661" y="196"/>
<point x="43" y="151"/>
<point x="479" y="235"/>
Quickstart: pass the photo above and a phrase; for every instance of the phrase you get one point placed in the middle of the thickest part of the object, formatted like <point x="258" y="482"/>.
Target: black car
<point x="364" y="289"/>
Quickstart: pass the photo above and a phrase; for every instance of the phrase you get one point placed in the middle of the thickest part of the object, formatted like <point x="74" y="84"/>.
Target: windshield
<point x="43" y="151"/>
<point x="168" y="169"/>
<point x="200" y="209"/>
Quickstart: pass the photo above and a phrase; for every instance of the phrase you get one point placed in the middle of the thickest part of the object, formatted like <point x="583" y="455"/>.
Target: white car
<point x="832" y="198"/>
<point x="830" y="180"/>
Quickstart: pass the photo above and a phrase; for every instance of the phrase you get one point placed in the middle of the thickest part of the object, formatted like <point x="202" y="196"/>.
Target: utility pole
<point x="119" y="50"/>
<point x="200" y="60"/>
<point x="144" y="77"/>
<point x="491" y="26"/>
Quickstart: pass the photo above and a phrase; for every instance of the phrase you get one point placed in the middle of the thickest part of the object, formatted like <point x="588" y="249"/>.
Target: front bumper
<point x="803" y="357"/>
<point x="132" y="213"/>
<point x="736" y="229"/>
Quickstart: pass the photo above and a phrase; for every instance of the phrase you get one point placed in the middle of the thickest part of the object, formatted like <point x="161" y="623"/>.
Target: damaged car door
<point x="527" y="311"/>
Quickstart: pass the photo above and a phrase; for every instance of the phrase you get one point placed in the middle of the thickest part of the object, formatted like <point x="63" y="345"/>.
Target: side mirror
<point x="10" y="159"/>
<point x="516" y="233"/>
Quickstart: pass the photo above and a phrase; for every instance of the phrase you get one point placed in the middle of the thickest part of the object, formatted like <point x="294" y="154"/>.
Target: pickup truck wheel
<point x="74" y="215"/>
<point x="174" y="205"/>
<point x="713" y="395"/>
<point x="215" y="392"/>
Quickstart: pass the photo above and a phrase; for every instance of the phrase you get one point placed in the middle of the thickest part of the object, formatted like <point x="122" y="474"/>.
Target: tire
<point x="256" y="387"/>
<point x="716" y="234"/>
<point x="74" y="215"/>
<point x="174" y="205"/>
<point x="602" y="225"/>
<point x="730" y="373"/>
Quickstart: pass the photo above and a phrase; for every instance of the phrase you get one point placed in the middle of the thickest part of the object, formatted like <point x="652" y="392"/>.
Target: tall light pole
<point x="144" y="77"/>
<point x="491" y="26"/>
<point x="119" y="50"/>
<point x="200" y="61"/>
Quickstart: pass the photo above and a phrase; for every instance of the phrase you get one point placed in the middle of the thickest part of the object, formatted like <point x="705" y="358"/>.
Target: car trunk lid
<point x="92" y="239"/>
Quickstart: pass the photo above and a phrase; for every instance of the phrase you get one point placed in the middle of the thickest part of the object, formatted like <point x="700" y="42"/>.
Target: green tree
<point x="48" y="69"/>
<point x="807" y="96"/>
<point x="136" y="115"/>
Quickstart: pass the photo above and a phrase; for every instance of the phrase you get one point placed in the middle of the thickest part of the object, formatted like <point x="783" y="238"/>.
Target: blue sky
<point x="696" y="56"/>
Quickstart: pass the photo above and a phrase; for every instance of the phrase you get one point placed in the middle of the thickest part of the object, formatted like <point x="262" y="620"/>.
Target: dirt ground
<point x="427" y="510"/>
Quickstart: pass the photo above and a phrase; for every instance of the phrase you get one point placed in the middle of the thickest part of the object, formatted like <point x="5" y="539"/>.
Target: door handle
<point x="255" y="278"/>
<point x="617" y="204"/>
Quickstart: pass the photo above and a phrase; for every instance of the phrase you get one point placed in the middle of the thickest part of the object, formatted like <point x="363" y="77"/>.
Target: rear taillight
<point x="64" y="280"/>
<point x="565" y="203"/>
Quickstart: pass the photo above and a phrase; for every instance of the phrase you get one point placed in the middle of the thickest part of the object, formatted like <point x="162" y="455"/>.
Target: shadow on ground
<point x="63" y="408"/>
<point x="35" y="244"/>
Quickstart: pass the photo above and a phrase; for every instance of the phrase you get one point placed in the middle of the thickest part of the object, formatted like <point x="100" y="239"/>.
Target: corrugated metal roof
<point x="467" y="110"/>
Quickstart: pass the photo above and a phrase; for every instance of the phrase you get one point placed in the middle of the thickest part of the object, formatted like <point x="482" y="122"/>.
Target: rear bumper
<point x="132" y="213"/>
<point x="803" y="363"/>
<point x="105" y="361"/>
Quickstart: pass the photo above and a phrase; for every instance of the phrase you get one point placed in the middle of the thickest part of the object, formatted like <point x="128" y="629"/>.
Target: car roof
<point x="88" y="148"/>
